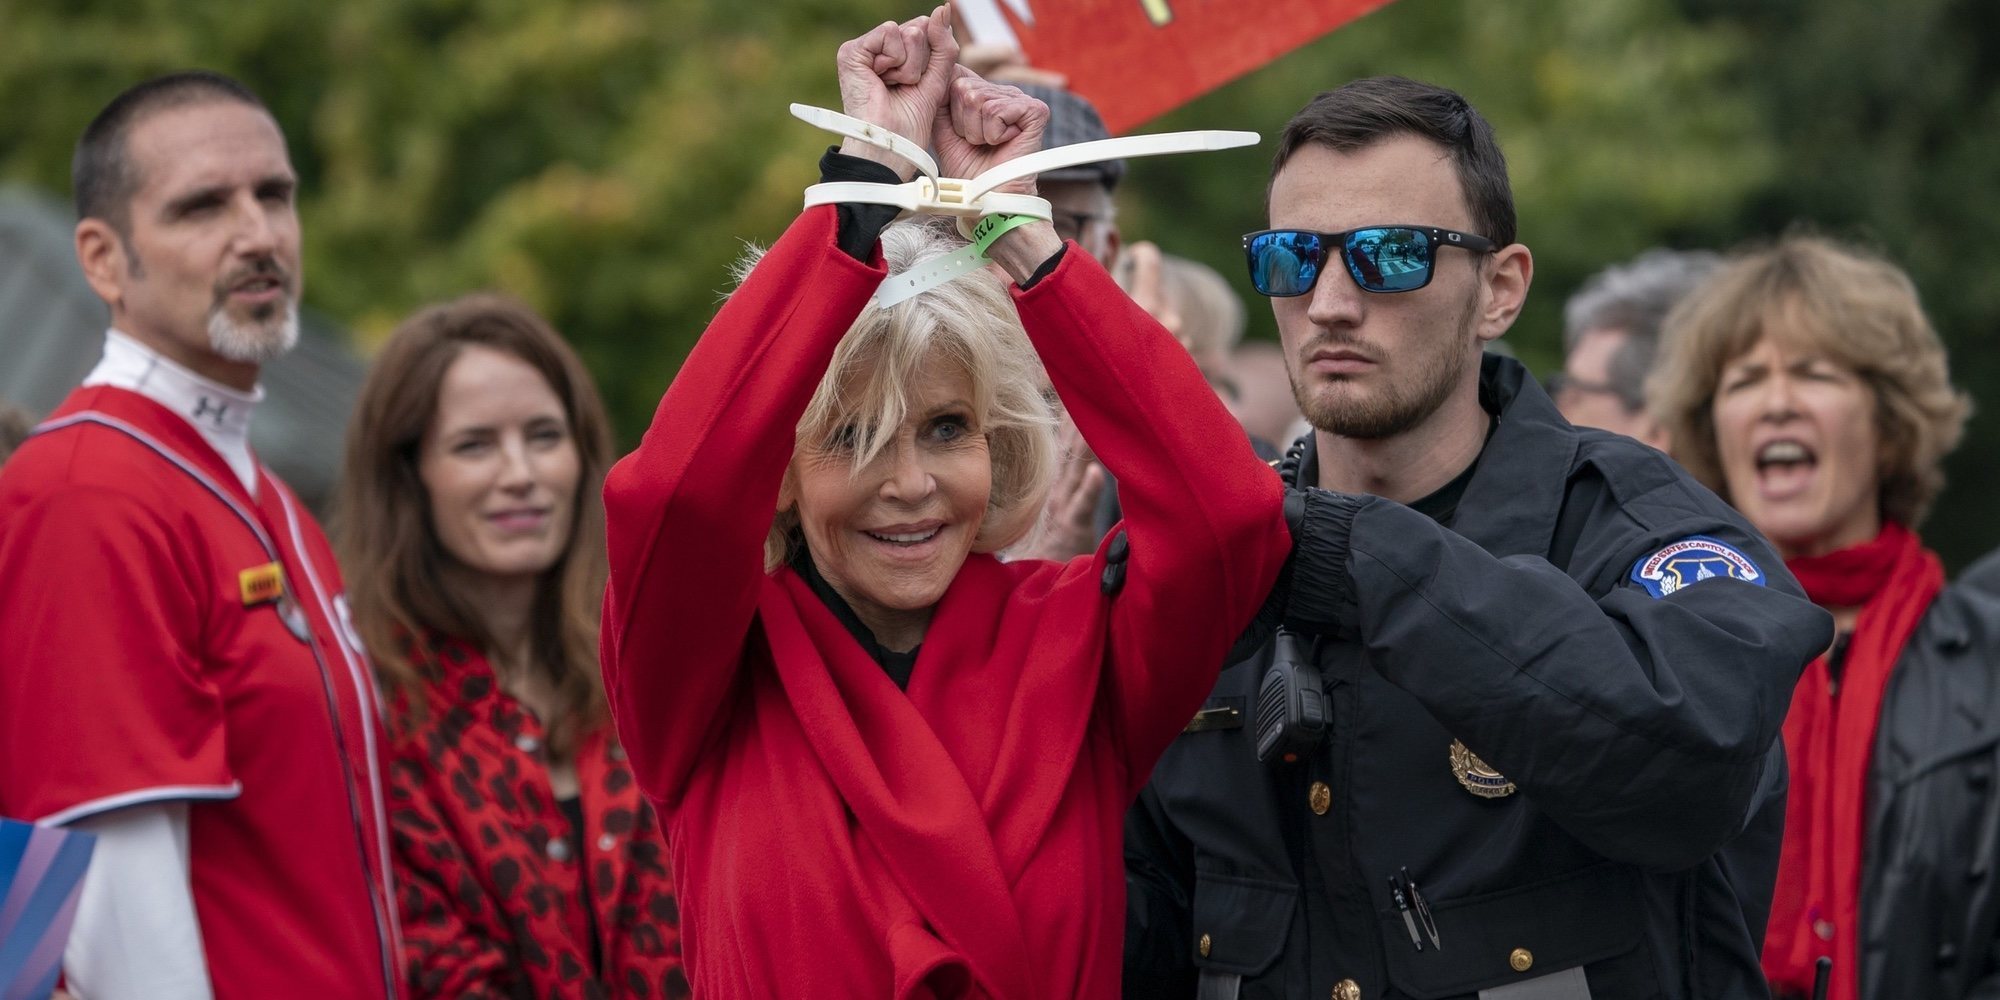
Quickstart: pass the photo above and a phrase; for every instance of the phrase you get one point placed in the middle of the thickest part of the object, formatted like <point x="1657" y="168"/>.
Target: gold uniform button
<point x="1347" y="989"/>
<point x="1320" y="797"/>
<point x="1521" y="959"/>
<point x="1205" y="945"/>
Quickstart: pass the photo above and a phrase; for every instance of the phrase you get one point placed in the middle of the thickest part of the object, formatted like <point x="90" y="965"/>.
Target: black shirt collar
<point x="1508" y="498"/>
<point x="899" y="666"/>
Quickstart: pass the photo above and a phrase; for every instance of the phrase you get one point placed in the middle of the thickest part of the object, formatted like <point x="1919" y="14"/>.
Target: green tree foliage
<point x="1887" y="121"/>
<point x="601" y="159"/>
<point x="604" y="159"/>
<point x="1620" y="127"/>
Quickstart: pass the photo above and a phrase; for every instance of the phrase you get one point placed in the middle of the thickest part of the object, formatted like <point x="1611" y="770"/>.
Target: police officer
<point x="1514" y="734"/>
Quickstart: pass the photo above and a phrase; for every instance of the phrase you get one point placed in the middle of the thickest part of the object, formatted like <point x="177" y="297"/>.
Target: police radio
<point x="1292" y="714"/>
<point x="1292" y="711"/>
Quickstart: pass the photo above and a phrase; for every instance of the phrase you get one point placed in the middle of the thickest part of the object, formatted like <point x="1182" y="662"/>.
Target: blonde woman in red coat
<point x="888" y="764"/>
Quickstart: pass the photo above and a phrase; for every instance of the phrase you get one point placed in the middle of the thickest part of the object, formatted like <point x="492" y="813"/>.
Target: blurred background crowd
<point x="603" y="160"/>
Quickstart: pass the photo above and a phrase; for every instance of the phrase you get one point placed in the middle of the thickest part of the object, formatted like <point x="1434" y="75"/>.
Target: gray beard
<point x="256" y="343"/>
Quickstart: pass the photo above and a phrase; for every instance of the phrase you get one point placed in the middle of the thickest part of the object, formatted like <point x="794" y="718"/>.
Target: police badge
<point x="1476" y="775"/>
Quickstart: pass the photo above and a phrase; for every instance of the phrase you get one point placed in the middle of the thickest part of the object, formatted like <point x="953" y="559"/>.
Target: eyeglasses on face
<point x="1384" y="259"/>
<point x="1564" y="388"/>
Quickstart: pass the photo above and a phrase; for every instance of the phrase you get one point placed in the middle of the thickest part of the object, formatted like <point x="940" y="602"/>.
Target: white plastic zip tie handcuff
<point x="970" y="199"/>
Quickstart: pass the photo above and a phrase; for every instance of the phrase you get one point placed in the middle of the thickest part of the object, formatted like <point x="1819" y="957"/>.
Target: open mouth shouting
<point x="1785" y="468"/>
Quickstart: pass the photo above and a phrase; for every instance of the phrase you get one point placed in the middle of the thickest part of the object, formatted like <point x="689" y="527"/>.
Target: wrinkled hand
<point x="984" y="124"/>
<point x="897" y="76"/>
<point x="1068" y="525"/>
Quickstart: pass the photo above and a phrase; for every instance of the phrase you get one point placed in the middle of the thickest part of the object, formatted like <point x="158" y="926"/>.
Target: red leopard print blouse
<point x="487" y="872"/>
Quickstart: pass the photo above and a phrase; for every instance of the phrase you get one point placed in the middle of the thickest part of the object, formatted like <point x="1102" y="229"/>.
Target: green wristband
<point x="992" y="227"/>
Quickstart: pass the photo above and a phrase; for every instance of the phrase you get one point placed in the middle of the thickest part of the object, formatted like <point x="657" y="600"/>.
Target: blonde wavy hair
<point x="1847" y="305"/>
<point x="969" y="322"/>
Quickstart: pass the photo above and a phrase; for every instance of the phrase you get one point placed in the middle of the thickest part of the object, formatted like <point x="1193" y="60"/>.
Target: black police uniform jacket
<point x="1930" y="885"/>
<point x="1640" y="735"/>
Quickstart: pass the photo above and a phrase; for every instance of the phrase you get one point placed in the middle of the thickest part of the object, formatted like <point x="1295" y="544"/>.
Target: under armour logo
<point x="208" y="407"/>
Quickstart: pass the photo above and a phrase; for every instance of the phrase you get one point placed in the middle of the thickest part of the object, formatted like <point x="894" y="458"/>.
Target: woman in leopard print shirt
<point x="472" y="537"/>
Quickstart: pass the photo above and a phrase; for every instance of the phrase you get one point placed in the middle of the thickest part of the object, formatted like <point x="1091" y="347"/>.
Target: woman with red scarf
<point x="1804" y="383"/>
<point x="888" y="764"/>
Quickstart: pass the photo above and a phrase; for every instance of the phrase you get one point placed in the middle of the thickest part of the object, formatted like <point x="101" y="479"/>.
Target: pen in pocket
<point x="1423" y="911"/>
<point x="1403" y="907"/>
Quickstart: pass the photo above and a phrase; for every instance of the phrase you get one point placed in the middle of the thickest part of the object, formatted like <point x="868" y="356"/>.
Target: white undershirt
<point x="219" y="413"/>
<point x="136" y="936"/>
<point x="136" y="933"/>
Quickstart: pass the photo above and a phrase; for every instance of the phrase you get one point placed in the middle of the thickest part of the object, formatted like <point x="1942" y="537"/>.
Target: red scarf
<point x="1828" y="738"/>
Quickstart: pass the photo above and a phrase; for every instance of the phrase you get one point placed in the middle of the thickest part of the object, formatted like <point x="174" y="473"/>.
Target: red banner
<point x="1138" y="59"/>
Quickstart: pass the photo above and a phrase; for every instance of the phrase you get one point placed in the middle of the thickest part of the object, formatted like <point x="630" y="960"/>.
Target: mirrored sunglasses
<point x="1287" y="262"/>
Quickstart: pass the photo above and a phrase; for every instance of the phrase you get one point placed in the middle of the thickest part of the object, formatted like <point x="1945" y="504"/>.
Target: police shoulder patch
<point x="1690" y="561"/>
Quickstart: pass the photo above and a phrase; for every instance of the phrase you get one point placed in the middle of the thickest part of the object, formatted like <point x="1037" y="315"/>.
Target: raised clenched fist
<point x="985" y="124"/>
<point x="897" y="77"/>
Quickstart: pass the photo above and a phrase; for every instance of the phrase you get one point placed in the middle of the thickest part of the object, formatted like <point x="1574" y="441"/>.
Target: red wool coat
<point x="832" y="835"/>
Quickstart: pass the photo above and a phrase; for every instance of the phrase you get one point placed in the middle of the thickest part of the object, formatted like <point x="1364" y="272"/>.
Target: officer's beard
<point x="1398" y="404"/>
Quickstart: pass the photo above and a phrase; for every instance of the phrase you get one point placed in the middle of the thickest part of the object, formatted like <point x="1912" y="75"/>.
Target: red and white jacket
<point x="167" y="636"/>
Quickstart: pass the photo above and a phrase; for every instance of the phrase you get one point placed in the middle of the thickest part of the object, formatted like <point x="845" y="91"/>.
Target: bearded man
<point x="180" y="677"/>
<point x="1508" y="728"/>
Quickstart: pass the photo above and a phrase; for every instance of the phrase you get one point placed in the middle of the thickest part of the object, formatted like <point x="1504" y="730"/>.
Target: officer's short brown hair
<point x="1367" y="111"/>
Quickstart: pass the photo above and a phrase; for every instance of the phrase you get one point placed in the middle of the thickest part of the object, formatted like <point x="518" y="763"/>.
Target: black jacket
<point x="1930" y="915"/>
<point x="1640" y="732"/>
